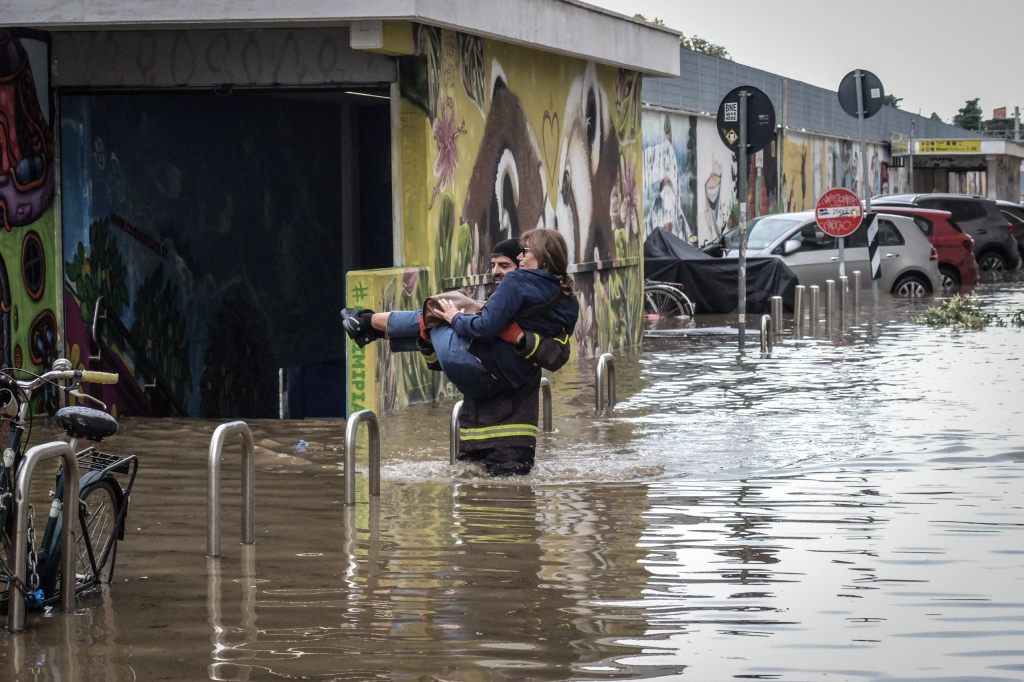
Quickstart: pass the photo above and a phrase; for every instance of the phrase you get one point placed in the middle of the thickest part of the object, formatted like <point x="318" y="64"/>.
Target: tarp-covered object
<point x="711" y="283"/>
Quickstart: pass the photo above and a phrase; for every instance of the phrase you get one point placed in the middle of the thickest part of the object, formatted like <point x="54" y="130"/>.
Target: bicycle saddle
<point x="85" y="422"/>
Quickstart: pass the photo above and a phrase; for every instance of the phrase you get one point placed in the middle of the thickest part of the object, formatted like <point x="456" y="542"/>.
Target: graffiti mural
<point x="717" y="204"/>
<point x="521" y="140"/>
<point x="811" y="165"/>
<point x="28" y="277"/>
<point x="670" y="174"/>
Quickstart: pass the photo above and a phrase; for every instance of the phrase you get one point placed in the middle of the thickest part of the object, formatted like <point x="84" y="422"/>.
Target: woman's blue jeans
<point x="460" y="365"/>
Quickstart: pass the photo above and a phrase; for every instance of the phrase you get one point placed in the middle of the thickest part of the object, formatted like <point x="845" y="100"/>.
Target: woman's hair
<point x="552" y="254"/>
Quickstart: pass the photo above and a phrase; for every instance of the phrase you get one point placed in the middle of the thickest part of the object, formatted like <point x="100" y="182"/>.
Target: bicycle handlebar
<point x="79" y="375"/>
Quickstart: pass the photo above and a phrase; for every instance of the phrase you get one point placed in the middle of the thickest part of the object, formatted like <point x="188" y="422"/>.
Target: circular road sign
<point x="760" y="119"/>
<point x="871" y="90"/>
<point x="838" y="212"/>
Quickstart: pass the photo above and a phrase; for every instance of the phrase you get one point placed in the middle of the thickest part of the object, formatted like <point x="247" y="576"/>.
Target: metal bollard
<point x="844" y="290"/>
<point x="830" y="295"/>
<point x="766" y="334"/>
<point x="605" y="375"/>
<point x="856" y="289"/>
<point x="68" y="554"/>
<point x="354" y="420"/>
<point x="545" y="396"/>
<point x="453" y="433"/>
<point x="221" y="434"/>
<point x="813" y="312"/>
<point x="798" y="310"/>
<point x="777" y="316"/>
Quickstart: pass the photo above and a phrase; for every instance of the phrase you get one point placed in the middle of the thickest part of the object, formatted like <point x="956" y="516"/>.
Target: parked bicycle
<point x="666" y="299"/>
<point x="104" y="488"/>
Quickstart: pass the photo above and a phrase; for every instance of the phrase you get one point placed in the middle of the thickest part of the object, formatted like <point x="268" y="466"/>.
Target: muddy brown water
<point x="845" y="508"/>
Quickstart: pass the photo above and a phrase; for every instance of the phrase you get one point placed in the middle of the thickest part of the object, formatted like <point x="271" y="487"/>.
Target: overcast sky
<point x="935" y="54"/>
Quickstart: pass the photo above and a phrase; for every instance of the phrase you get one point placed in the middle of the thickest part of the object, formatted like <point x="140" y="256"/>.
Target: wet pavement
<point x="845" y="508"/>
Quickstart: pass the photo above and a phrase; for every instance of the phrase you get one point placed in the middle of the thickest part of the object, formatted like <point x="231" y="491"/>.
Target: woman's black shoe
<point x="356" y="322"/>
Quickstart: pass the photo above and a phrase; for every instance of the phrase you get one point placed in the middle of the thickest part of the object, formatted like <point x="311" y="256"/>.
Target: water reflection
<point x="845" y="507"/>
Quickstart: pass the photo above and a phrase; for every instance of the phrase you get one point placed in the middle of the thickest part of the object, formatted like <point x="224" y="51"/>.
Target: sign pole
<point x="742" y="283"/>
<point x="859" y="75"/>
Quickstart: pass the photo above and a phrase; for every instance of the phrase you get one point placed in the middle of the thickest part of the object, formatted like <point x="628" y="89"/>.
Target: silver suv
<point x="995" y="247"/>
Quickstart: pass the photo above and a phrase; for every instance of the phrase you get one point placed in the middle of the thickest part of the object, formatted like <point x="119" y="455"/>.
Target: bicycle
<point x="104" y="488"/>
<point x="666" y="299"/>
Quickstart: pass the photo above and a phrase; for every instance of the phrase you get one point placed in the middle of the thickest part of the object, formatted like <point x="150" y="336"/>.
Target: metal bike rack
<point x="798" y="310"/>
<point x="351" y="427"/>
<point x="605" y="376"/>
<point x="545" y="397"/>
<point x="777" y="316"/>
<point x="221" y="434"/>
<point x="41" y="453"/>
<point x="766" y="333"/>
<point x="453" y="433"/>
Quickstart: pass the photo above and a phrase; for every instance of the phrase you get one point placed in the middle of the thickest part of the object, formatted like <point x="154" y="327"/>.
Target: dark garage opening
<point x="217" y="228"/>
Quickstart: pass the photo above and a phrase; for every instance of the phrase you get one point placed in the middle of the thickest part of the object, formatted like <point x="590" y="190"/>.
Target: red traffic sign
<point x="838" y="212"/>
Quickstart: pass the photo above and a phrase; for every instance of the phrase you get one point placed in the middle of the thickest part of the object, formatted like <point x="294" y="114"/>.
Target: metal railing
<point x="221" y="434"/>
<point x="16" y="601"/>
<point x="351" y="428"/>
<point x="605" y="376"/>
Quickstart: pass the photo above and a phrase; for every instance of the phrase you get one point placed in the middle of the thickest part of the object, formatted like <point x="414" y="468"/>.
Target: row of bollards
<point x="604" y="401"/>
<point x="833" y="299"/>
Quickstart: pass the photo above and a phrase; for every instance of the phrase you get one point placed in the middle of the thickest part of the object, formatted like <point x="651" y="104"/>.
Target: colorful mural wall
<point x="496" y="140"/>
<point x="29" y="266"/>
<point x="691" y="178"/>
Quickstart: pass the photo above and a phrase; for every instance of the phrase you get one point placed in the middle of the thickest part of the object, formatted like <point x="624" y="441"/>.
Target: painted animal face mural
<point x="507" y="192"/>
<point x="588" y="165"/>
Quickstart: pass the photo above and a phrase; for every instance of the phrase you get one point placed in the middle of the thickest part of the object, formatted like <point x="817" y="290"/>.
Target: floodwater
<point x="848" y="508"/>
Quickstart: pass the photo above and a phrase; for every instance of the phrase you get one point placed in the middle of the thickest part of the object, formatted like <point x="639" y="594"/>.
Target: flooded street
<point x="848" y="508"/>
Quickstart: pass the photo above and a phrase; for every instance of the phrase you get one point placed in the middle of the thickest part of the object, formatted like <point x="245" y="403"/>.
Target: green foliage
<point x="969" y="116"/>
<point x="99" y="271"/>
<point x="892" y="100"/>
<point x="159" y="329"/>
<point x="960" y="311"/>
<point x="698" y="44"/>
<point x="935" y="117"/>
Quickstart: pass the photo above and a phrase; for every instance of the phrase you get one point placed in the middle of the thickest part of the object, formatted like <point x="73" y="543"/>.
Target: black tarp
<point x="711" y="283"/>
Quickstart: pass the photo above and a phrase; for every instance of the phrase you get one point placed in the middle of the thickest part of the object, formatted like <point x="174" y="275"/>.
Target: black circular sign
<point x="872" y="93"/>
<point x="760" y="119"/>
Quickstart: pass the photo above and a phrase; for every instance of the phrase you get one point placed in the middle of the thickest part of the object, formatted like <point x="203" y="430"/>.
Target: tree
<point x="695" y="43"/>
<point x="892" y="101"/>
<point x="969" y="116"/>
<point x="935" y="117"/>
<point x="698" y="44"/>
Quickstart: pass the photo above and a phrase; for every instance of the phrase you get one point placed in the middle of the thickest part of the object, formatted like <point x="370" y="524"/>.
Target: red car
<point x="955" y="249"/>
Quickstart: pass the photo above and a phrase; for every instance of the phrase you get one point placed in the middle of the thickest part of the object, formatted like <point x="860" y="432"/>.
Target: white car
<point x="910" y="265"/>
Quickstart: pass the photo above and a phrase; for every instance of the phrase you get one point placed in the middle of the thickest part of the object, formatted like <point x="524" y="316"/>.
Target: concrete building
<point x="191" y="191"/>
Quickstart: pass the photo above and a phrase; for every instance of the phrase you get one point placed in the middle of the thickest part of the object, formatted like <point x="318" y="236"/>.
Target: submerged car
<point x="909" y="263"/>
<point x="953" y="246"/>
<point x="994" y="245"/>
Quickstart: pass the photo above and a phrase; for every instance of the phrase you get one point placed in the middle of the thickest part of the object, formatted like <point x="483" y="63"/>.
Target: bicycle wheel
<point x="99" y="516"/>
<point x="664" y="301"/>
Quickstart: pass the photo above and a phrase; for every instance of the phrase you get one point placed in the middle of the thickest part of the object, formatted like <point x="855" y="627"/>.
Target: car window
<point x="859" y="238"/>
<point x="924" y="225"/>
<point x="961" y="209"/>
<point x="763" y="232"/>
<point x="812" y="238"/>
<point x="889" y="234"/>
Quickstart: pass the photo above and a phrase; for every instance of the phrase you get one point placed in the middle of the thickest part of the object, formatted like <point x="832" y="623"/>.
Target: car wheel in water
<point x="992" y="261"/>
<point x="950" y="277"/>
<point x="910" y="286"/>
